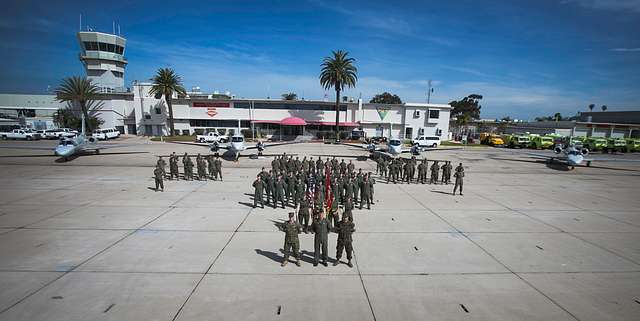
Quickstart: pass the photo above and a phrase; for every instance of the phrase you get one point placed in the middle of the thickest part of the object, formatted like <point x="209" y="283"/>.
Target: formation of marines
<point x="207" y="167"/>
<point x="313" y="183"/>
<point x="412" y="170"/>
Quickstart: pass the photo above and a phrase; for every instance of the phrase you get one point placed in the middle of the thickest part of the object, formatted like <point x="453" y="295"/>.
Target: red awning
<point x="293" y="121"/>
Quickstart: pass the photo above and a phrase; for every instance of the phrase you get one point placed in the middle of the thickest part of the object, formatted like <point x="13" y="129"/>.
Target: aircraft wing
<point x="49" y="148"/>
<point x="108" y="146"/>
<point x="272" y="145"/>
<point x="201" y="144"/>
<point x="611" y="160"/>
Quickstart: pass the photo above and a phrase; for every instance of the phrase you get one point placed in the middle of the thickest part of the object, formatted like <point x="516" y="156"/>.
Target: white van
<point x="105" y="133"/>
<point x="426" y="141"/>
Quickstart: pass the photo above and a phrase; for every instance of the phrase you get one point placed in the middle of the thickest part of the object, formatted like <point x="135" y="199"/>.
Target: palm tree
<point x="165" y="83"/>
<point x="78" y="90"/>
<point x="337" y="72"/>
<point x="604" y="107"/>
<point x="591" y="106"/>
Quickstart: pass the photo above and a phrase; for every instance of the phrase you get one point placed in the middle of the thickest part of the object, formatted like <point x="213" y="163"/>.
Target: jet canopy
<point x="237" y="139"/>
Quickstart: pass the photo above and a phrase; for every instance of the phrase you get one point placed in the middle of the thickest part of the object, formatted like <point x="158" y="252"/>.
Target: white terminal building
<point x="132" y="110"/>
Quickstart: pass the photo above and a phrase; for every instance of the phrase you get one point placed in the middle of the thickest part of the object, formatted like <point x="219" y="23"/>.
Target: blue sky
<point x="527" y="58"/>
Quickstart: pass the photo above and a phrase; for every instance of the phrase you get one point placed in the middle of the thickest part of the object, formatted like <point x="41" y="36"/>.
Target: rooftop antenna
<point x="429" y="91"/>
<point x="118" y="29"/>
<point x="114" y="27"/>
<point x="80" y="29"/>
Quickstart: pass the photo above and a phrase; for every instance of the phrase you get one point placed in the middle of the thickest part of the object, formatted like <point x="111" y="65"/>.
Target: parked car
<point x="212" y="137"/>
<point x="60" y="133"/>
<point x="105" y="133"/>
<point x="20" y="134"/>
<point x="426" y="141"/>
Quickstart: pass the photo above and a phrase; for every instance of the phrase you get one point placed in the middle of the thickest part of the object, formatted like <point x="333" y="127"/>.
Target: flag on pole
<point x="328" y="194"/>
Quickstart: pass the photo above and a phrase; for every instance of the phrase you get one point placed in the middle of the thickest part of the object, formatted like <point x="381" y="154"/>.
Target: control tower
<point x="102" y="55"/>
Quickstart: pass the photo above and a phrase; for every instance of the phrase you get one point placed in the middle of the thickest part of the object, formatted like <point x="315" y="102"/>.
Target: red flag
<point x="328" y="195"/>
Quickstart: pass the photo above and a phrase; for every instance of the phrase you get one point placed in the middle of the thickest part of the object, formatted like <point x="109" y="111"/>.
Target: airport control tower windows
<point x="91" y="45"/>
<point x="102" y="46"/>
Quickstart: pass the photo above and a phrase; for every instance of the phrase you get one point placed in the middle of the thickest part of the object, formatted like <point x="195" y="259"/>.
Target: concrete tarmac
<point x="90" y="239"/>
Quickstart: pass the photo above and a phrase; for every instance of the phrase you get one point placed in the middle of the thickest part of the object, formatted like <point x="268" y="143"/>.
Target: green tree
<point x="80" y="91"/>
<point x="290" y="96"/>
<point x="165" y="83"/>
<point x="469" y="106"/>
<point x="338" y="71"/>
<point x="386" y="98"/>
<point x="591" y="106"/>
<point x="506" y="119"/>
<point x="604" y="107"/>
<point x="65" y="117"/>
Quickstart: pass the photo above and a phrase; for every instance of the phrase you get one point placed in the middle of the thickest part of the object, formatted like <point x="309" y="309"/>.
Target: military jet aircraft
<point x="236" y="145"/>
<point x="572" y="156"/>
<point x="69" y="147"/>
<point x="394" y="148"/>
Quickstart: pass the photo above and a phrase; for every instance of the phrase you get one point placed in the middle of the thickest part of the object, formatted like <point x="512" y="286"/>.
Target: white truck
<point x="211" y="137"/>
<point x="60" y="133"/>
<point x="426" y="141"/>
<point x="20" y="134"/>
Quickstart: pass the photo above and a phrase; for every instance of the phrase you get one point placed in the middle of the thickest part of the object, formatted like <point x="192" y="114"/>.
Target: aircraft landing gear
<point x="97" y="152"/>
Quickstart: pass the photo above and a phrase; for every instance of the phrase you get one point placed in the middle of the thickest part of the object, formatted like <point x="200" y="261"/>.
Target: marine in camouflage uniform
<point x="291" y="241"/>
<point x="345" y="229"/>
<point x="434" y="173"/>
<point x="162" y="165"/>
<point x="188" y="167"/>
<point x="158" y="176"/>
<point x="459" y="178"/>
<point x="173" y="166"/>
<point x="211" y="165"/>
<point x="218" y="168"/>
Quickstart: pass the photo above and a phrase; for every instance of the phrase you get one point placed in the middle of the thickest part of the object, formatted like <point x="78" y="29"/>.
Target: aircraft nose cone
<point x="63" y="151"/>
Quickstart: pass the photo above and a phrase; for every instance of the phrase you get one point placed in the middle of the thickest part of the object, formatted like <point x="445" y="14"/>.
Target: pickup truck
<point x="20" y="134"/>
<point x="60" y="133"/>
<point x="211" y="137"/>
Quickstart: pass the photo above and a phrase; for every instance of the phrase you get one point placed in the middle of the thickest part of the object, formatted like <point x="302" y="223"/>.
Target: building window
<point x="158" y="111"/>
<point x="103" y="46"/>
<point x="435" y="114"/>
<point x="408" y="133"/>
<point x="91" y="45"/>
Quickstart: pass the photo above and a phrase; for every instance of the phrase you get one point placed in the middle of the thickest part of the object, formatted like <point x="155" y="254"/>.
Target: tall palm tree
<point x="78" y="90"/>
<point x="165" y="83"/>
<point x="337" y="72"/>
<point x="591" y="106"/>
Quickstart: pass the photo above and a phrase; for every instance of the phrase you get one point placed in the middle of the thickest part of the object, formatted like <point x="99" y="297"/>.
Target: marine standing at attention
<point x="158" y="175"/>
<point x="321" y="229"/>
<point x="459" y="177"/>
<point x="291" y="240"/>
<point x="345" y="240"/>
